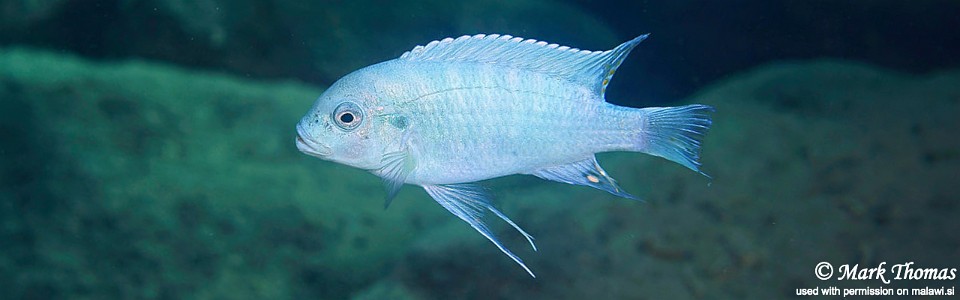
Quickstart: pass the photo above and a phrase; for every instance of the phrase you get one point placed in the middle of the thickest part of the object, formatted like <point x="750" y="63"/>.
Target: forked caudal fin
<point x="675" y="133"/>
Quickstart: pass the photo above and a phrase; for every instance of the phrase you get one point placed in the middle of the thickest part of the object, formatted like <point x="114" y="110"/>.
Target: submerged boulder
<point x="138" y="180"/>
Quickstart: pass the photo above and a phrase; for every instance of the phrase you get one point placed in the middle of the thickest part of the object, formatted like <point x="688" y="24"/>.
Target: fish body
<point x="457" y="111"/>
<point x="477" y="122"/>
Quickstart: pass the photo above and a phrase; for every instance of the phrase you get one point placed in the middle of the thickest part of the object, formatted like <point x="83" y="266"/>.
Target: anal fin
<point x="585" y="172"/>
<point x="469" y="202"/>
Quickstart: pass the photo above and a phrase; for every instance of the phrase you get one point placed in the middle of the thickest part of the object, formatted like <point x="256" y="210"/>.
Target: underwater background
<point x="147" y="152"/>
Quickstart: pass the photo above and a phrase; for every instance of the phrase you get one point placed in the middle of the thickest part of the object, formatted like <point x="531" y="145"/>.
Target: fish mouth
<point x="312" y="148"/>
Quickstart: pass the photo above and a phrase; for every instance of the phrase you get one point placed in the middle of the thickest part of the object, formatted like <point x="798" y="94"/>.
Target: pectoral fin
<point x="468" y="202"/>
<point x="585" y="172"/>
<point x="396" y="167"/>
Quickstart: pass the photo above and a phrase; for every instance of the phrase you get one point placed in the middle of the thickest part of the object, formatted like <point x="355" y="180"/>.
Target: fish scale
<point x="491" y="122"/>
<point x="455" y="111"/>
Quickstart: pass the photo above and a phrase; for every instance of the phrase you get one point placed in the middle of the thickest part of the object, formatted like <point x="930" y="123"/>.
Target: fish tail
<point x="674" y="133"/>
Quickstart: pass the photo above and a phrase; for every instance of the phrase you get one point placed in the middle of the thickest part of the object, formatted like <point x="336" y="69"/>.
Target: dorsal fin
<point x="593" y="69"/>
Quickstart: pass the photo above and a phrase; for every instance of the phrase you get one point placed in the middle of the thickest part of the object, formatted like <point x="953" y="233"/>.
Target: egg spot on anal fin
<point x="586" y="172"/>
<point x="593" y="179"/>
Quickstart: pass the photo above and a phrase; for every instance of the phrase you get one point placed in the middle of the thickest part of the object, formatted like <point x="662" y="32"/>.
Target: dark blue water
<point x="694" y="43"/>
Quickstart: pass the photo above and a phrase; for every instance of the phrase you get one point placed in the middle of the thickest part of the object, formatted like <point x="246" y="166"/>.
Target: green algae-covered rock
<point x="133" y="180"/>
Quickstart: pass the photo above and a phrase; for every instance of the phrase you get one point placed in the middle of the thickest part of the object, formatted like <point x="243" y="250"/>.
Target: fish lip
<point x="310" y="147"/>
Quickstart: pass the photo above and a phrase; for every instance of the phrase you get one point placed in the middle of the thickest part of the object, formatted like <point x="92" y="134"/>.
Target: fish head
<point x="346" y="126"/>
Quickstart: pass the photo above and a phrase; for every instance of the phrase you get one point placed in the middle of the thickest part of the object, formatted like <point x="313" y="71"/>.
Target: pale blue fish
<point x="457" y="111"/>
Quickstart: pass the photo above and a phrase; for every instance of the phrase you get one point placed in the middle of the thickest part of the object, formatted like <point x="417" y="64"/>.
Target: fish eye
<point x="347" y="115"/>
